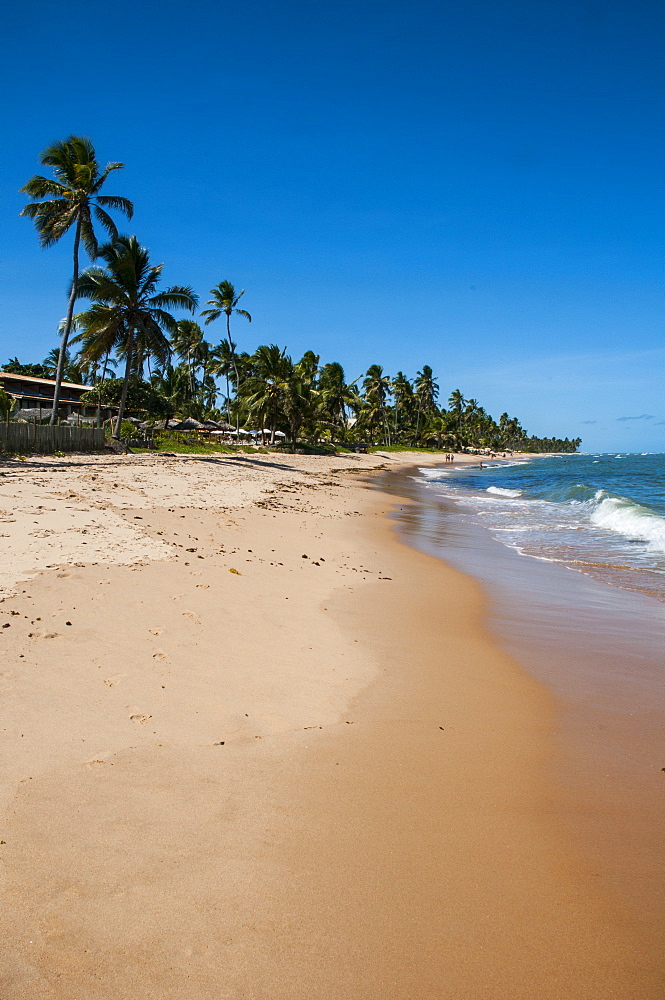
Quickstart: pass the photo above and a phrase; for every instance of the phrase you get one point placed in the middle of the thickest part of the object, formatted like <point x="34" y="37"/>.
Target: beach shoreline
<point x="282" y="757"/>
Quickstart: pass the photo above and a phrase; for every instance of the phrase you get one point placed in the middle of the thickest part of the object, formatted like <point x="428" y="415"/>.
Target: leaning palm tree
<point x="128" y="314"/>
<point x="72" y="199"/>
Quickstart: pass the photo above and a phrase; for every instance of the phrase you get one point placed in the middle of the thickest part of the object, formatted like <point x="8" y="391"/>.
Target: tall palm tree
<point x="402" y="391"/>
<point x="72" y="199"/>
<point x="186" y="340"/>
<point x="377" y="387"/>
<point x="427" y="392"/>
<point x="334" y="394"/>
<point x="225" y="301"/>
<point x="127" y="312"/>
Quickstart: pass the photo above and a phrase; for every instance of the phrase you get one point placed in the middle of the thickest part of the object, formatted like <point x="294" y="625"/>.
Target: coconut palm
<point x="427" y="390"/>
<point x="225" y="366"/>
<point x="334" y="394"/>
<point x="402" y="391"/>
<point x="457" y="402"/>
<point x="128" y="314"/>
<point x="225" y="301"/>
<point x="72" y="199"/>
<point x="186" y="341"/>
<point x="376" y="389"/>
<point x="269" y="392"/>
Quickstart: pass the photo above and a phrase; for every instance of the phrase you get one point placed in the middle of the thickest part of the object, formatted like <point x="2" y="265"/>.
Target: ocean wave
<point x="498" y="491"/>
<point x="434" y="473"/>
<point x="630" y="519"/>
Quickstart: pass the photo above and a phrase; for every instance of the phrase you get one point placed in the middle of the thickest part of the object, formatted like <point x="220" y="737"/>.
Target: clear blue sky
<point x="473" y="185"/>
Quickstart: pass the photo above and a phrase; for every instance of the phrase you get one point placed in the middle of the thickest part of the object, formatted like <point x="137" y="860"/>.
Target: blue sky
<point x="472" y="185"/>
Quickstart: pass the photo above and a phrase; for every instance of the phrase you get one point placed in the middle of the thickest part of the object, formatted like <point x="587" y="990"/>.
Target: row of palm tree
<point x="130" y="318"/>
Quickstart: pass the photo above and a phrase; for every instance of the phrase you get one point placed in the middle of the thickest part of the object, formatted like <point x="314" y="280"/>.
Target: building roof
<point x="43" y="381"/>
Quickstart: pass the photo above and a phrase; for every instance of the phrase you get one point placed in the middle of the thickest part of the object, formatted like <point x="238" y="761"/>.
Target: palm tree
<point x="403" y="395"/>
<point x="173" y="385"/>
<point x="72" y="199"/>
<point x="224" y="300"/>
<point x="128" y="313"/>
<point x="427" y="390"/>
<point x="334" y="394"/>
<point x="186" y="340"/>
<point x="377" y="387"/>
<point x="269" y="392"/>
<point x="225" y="366"/>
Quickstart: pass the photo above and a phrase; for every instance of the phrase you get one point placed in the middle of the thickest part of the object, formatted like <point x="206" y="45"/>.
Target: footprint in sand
<point x="140" y="719"/>
<point x="112" y="681"/>
<point x="162" y="657"/>
<point x="193" y="616"/>
<point x="155" y="631"/>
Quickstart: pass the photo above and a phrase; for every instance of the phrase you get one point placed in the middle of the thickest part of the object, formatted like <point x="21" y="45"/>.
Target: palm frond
<point x="123" y="205"/>
<point x="176" y="297"/>
<point x="243" y="312"/>
<point x="43" y="187"/>
<point x="106" y="221"/>
<point x="211" y="314"/>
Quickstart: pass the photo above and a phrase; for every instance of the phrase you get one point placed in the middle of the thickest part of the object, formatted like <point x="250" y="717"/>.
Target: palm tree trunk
<point x="99" y="394"/>
<point x="418" y="420"/>
<point x="235" y="367"/>
<point x="125" y="387"/>
<point x="68" y="326"/>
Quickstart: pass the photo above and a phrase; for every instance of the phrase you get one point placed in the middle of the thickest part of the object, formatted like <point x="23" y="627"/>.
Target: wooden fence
<point x="46" y="440"/>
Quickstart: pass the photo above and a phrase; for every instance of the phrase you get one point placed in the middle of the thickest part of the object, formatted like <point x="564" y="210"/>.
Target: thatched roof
<point x="33" y="415"/>
<point x="188" y="424"/>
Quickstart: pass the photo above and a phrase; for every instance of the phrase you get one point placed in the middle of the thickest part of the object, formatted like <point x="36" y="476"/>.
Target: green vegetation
<point x="171" y="371"/>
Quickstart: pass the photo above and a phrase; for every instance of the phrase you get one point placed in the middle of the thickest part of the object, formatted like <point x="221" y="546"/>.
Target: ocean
<point x="603" y="515"/>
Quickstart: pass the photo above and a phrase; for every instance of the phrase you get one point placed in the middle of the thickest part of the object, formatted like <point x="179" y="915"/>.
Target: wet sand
<point x="310" y="777"/>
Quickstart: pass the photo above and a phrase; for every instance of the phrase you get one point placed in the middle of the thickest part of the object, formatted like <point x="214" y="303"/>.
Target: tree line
<point x="169" y="368"/>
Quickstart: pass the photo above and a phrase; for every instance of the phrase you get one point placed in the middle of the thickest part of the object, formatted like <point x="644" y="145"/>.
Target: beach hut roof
<point x="188" y="424"/>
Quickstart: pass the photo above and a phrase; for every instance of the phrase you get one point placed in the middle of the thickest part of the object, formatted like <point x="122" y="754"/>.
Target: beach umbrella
<point x="280" y="434"/>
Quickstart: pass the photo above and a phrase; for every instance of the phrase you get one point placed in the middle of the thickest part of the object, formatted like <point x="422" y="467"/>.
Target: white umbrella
<point x="280" y="434"/>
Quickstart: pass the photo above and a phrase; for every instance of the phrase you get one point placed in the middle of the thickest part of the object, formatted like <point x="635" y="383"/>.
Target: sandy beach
<point x="255" y="747"/>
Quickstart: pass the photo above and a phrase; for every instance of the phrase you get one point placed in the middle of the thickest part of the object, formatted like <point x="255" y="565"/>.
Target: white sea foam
<point x="498" y="491"/>
<point x="433" y="473"/>
<point x="630" y="520"/>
